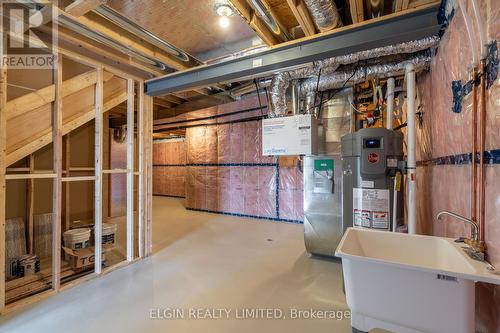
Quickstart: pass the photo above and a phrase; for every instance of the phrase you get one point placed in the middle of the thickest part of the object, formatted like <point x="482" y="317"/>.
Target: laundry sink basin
<point x="410" y="283"/>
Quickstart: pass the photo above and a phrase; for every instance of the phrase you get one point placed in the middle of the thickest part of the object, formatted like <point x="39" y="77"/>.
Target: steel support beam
<point x="387" y="30"/>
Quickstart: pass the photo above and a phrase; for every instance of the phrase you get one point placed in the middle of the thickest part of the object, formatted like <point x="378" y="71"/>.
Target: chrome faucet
<point x="477" y="246"/>
<point x="475" y="227"/>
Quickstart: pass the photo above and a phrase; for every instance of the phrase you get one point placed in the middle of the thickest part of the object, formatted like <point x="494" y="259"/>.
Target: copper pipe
<point x="473" y="190"/>
<point x="482" y="135"/>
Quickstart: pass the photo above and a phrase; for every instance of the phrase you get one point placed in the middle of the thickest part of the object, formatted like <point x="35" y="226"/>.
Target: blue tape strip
<point x="169" y="165"/>
<point x="491" y="70"/>
<point x="491" y="73"/>
<point x="169" y="196"/>
<point x="245" y="215"/>
<point x="445" y="15"/>
<point x="490" y="157"/>
<point x="278" y="190"/>
<point x="233" y="164"/>
<point x="456" y="89"/>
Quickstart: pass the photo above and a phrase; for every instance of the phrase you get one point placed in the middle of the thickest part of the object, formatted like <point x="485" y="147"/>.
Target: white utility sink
<point x="410" y="283"/>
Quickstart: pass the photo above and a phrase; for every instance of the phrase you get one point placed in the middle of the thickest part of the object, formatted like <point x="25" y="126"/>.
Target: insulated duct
<point x="262" y="11"/>
<point x="354" y="75"/>
<point x="281" y="81"/>
<point x="324" y="14"/>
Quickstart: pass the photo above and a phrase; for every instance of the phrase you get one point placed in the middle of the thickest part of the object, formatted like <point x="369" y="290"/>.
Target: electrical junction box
<point x="294" y="135"/>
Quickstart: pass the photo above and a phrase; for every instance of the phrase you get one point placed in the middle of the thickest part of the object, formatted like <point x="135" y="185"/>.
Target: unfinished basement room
<point x="249" y="166"/>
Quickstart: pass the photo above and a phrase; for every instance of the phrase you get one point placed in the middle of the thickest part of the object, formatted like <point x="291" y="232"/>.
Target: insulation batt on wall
<point x="444" y="145"/>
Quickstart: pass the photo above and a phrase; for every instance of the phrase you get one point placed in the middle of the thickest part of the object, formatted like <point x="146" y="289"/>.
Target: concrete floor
<point x="201" y="261"/>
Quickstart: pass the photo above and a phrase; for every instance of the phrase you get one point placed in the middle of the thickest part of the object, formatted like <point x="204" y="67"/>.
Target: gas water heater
<point x="372" y="165"/>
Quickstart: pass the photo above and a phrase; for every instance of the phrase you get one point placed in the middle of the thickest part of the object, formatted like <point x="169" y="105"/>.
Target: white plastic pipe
<point x="411" y="165"/>
<point x="480" y="29"/>
<point x="468" y="26"/>
<point x="390" y="103"/>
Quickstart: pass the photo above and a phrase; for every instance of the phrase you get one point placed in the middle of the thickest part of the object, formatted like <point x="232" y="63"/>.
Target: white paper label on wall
<point x="367" y="184"/>
<point x="288" y="135"/>
<point x="371" y="208"/>
<point x="257" y="62"/>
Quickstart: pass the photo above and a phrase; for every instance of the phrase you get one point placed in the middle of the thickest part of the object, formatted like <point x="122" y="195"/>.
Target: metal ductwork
<point x="324" y="14"/>
<point x="354" y="75"/>
<point x="148" y="36"/>
<point x="282" y="80"/>
<point x="265" y="14"/>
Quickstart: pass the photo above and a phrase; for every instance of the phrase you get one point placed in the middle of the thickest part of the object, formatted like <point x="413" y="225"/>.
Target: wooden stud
<point x="148" y="151"/>
<point x="98" y="155"/>
<point x="141" y="138"/>
<point x="130" y="169"/>
<point x="303" y="16"/>
<point x="3" y="166"/>
<point x="30" y="202"/>
<point x="57" y="165"/>
<point x="78" y="179"/>
<point x="360" y="10"/>
<point x="31" y="176"/>
<point x="114" y="171"/>
<point x="82" y="7"/>
<point x="67" y="211"/>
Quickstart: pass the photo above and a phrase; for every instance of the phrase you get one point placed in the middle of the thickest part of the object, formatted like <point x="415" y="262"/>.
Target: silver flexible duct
<point x="353" y="75"/>
<point x="324" y="14"/>
<point x="281" y="81"/>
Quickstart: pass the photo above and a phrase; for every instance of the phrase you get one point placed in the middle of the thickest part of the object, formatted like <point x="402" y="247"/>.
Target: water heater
<point x="372" y="161"/>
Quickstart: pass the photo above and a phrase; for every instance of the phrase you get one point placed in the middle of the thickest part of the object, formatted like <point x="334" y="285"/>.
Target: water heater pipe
<point x="411" y="165"/>
<point x="390" y="102"/>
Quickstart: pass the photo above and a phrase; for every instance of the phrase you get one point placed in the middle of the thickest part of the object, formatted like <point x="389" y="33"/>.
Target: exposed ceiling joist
<point x="247" y="12"/>
<point x="379" y="32"/>
<point x="82" y="7"/>
<point x="303" y="16"/>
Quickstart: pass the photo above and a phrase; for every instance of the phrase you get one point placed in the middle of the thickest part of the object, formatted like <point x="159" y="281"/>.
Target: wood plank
<point x="254" y="21"/>
<point x="82" y="7"/>
<point x="303" y="16"/>
<point x="360" y="10"/>
<point x="405" y="4"/>
<point x="148" y="117"/>
<point x="30" y="198"/>
<point x="142" y="195"/>
<point x="57" y="165"/>
<point x="130" y="169"/>
<point x="398" y="6"/>
<point x="3" y="166"/>
<point x="43" y="96"/>
<point x="98" y="164"/>
<point x="354" y="11"/>
<point x="45" y="138"/>
<point x="67" y="210"/>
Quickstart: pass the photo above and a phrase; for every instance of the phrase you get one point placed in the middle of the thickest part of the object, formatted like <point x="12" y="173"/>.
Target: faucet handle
<point x="477" y="245"/>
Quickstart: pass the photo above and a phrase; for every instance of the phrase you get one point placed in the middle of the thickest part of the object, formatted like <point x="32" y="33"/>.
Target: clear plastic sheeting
<point x="291" y="193"/>
<point x="281" y="81"/>
<point x="324" y="13"/>
<point x="446" y="133"/>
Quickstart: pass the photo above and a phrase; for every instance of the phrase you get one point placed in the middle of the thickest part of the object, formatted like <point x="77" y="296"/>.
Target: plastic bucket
<point x="77" y="238"/>
<point x="28" y="265"/>
<point x="108" y="233"/>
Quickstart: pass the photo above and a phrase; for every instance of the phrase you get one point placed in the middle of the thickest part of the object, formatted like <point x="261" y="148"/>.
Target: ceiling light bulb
<point x="224" y="22"/>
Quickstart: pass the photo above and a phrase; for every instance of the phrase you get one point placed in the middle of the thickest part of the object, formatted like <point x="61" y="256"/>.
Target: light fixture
<point x="224" y="10"/>
<point x="224" y="22"/>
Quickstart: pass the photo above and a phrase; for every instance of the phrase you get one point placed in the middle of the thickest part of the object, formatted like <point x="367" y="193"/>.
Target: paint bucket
<point x="108" y="233"/>
<point x="28" y="265"/>
<point x="77" y="239"/>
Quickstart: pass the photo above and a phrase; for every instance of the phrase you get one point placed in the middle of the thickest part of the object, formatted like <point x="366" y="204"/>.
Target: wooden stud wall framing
<point x="60" y="177"/>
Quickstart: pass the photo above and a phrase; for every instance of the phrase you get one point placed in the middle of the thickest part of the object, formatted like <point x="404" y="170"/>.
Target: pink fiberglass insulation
<point x="445" y="133"/>
<point x="169" y="158"/>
